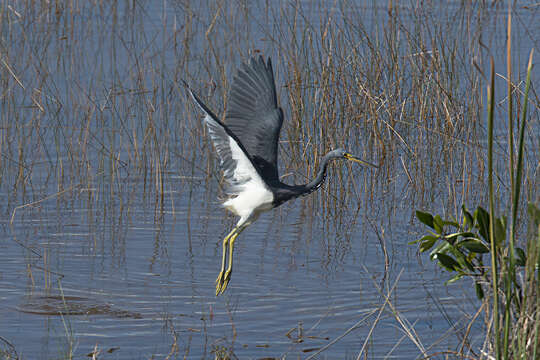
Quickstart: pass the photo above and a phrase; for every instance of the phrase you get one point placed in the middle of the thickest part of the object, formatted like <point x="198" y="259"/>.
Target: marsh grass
<point x="511" y="308"/>
<point x="7" y="350"/>
<point x="93" y="114"/>
<point x="106" y="107"/>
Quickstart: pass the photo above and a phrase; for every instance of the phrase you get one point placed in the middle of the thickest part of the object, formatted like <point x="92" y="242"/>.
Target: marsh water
<point x="111" y="228"/>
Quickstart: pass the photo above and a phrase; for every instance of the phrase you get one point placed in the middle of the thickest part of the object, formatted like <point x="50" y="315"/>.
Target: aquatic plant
<point x="512" y="277"/>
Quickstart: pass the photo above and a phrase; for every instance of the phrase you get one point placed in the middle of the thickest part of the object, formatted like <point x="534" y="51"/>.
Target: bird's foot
<point x="226" y="280"/>
<point x="222" y="282"/>
<point x="219" y="278"/>
<point x="219" y="282"/>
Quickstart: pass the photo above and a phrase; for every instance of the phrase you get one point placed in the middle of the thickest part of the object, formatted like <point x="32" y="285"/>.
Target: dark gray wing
<point x="253" y="115"/>
<point x="238" y="169"/>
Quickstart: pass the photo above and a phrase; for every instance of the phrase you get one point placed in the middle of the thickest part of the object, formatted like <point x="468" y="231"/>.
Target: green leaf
<point x="425" y="237"/>
<point x="451" y="223"/>
<point x="500" y="230"/>
<point x="453" y="237"/>
<point x="479" y="291"/>
<point x="474" y="245"/>
<point x="468" y="220"/>
<point x="443" y="247"/>
<point x="427" y="244"/>
<point x="454" y="279"/>
<point x="521" y="257"/>
<point x="425" y="218"/>
<point x="438" y="223"/>
<point x="481" y="217"/>
<point x="447" y="262"/>
<point x="461" y="258"/>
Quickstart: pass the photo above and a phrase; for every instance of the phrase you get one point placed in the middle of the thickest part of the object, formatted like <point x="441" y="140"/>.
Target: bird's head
<point x="342" y="154"/>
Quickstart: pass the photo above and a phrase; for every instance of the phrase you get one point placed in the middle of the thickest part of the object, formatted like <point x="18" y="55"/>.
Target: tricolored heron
<point x="247" y="147"/>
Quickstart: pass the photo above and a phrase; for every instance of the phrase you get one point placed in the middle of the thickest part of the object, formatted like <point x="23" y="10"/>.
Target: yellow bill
<point x="354" y="158"/>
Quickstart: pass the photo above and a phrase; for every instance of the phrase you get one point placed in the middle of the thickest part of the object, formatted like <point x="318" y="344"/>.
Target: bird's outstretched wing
<point x="238" y="169"/>
<point x="254" y="116"/>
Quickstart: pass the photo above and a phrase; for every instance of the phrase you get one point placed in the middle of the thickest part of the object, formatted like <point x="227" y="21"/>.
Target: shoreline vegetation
<point x="511" y="278"/>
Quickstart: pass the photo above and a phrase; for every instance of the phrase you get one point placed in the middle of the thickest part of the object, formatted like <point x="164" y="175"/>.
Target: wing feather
<point x="238" y="170"/>
<point x="253" y="115"/>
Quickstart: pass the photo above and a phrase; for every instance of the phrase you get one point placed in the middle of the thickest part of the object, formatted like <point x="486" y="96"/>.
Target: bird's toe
<point x="219" y="279"/>
<point x="222" y="282"/>
<point x="219" y="282"/>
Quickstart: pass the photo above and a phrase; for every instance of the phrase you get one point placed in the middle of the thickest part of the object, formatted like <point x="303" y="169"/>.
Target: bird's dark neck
<point x="319" y="179"/>
<point x="284" y="192"/>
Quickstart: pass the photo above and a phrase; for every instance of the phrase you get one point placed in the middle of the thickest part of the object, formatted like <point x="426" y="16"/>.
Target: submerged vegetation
<point x="94" y="123"/>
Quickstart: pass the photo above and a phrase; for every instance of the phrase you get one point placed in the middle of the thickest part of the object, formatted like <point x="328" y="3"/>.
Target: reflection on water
<point x="70" y="305"/>
<point x="111" y="226"/>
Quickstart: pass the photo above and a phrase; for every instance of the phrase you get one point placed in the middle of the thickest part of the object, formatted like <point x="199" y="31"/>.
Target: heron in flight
<point x="246" y="144"/>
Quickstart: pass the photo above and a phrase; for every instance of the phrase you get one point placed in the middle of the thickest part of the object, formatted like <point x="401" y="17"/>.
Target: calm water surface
<point x="157" y="279"/>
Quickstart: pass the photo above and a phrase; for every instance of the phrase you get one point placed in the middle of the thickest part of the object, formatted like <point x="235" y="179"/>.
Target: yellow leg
<point x="227" y="276"/>
<point x="219" y="279"/>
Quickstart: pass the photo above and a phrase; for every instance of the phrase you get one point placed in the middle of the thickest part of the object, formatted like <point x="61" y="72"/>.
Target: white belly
<point x="250" y="203"/>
